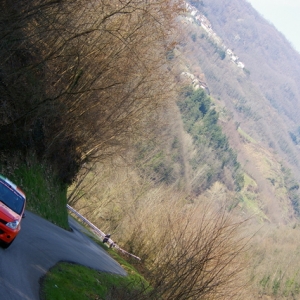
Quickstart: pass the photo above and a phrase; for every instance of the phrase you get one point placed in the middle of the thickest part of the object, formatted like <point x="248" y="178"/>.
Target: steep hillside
<point x="273" y="68"/>
<point x="254" y="89"/>
<point x="173" y="125"/>
<point x="187" y="162"/>
<point x="186" y="152"/>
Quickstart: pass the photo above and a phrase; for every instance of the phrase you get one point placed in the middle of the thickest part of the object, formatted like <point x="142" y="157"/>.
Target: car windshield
<point x="11" y="198"/>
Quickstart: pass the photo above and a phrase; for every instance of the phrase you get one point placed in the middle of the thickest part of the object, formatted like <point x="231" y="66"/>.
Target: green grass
<point x="246" y="136"/>
<point x="249" y="181"/>
<point x="45" y="196"/>
<point x="71" y="282"/>
<point x="250" y="202"/>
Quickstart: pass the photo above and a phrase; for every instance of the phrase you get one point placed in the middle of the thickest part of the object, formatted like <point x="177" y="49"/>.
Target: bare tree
<point x="190" y="253"/>
<point x="97" y="70"/>
<point x="200" y="258"/>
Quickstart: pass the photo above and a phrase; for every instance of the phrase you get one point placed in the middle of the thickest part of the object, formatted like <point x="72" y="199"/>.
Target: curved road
<point x="38" y="247"/>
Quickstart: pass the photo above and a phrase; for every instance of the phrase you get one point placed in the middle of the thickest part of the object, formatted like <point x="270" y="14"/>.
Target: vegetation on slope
<point x="268" y="93"/>
<point x="198" y="257"/>
<point x="201" y="122"/>
<point x="46" y="196"/>
<point x="259" y="134"/>
<point x="80" y="84"/>
<point x="77" y="81"/>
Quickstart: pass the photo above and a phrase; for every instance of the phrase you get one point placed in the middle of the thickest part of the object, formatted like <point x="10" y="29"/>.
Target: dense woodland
<point x="202" y="184"/>
<point x="82" y="75"/>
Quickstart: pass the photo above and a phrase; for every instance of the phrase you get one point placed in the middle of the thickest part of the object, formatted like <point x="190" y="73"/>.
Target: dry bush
<point x="186" y="253"/>
<point x="275" y="268"/>
<point x="107" y="194"/>
<point x="190" y="252"/>
<point x="175" y="238"/>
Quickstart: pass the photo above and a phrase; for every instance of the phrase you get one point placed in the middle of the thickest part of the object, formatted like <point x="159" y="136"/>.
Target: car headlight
<point x="13" y="224"/>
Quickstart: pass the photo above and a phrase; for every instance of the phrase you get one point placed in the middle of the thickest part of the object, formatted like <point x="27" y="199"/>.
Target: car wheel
<point x="6" y="245"/>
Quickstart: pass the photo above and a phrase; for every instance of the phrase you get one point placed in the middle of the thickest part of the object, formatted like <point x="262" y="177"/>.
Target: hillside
<point x="273" y="69"/>
<point x="256" y="103"/>
<point x="174" y="127"/>
<point x="242" y="95"/>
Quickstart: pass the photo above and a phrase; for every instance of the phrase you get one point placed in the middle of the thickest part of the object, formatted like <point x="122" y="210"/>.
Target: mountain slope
<point x="273" y="64"/>
<point x="183" y="166"/>
<point x="258" y="104"/>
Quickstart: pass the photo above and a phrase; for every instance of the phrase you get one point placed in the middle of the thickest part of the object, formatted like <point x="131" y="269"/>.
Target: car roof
<point x="14" y="186"/>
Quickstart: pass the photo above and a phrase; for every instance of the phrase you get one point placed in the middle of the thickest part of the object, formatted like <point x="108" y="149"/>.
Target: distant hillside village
<point x="200" y="19"/>
<point x="196" y="82"/>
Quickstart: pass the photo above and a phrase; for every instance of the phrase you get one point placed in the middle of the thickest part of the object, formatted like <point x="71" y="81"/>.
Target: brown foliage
<point x="196" y="254"/>
<point x="199" y="257"/>
<point x="188" y="250"/>
<point x="275" y="266"/>
<point x="83" y="74"/>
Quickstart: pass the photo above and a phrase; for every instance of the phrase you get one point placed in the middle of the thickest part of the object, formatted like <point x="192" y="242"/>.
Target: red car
<point x="12" y="206"/>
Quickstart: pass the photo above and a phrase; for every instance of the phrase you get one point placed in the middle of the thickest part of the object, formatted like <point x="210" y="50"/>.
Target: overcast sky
<point x="284" y="15"/>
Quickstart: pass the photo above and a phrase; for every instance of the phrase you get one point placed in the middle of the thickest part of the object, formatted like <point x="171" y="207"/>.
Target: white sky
<point x="284" y="15"/>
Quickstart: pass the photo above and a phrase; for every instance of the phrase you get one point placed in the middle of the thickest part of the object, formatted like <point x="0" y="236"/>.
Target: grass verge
<point x="67" y="281"/>
<point x="45" y="195"/>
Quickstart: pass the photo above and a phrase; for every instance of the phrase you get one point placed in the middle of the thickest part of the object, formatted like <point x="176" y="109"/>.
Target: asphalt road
<point x="39" y="246"/>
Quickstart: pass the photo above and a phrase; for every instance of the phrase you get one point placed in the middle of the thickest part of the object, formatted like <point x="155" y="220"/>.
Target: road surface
<point x="39" y="246"/>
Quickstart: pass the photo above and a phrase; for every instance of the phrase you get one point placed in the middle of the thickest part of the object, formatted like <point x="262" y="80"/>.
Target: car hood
<point x="7" y="214"/>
